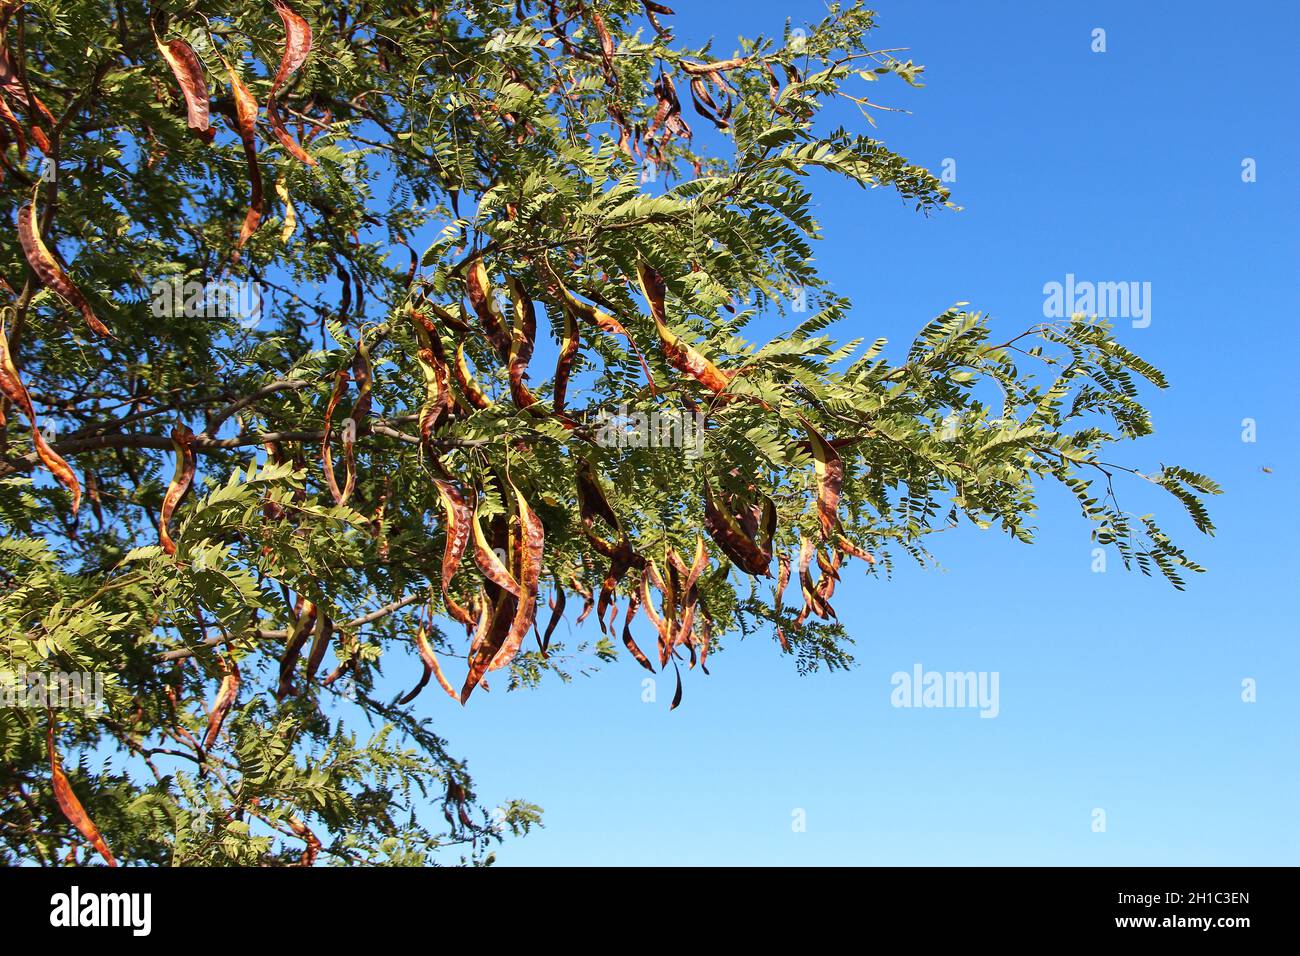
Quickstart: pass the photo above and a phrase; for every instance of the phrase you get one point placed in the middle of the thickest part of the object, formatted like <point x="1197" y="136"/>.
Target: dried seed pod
<point x="226" y="697"/>
<point x="49" y="271"/>
<point x="431" y="668"/>
<point x="743" y="550"/>
<point x="528" y="558"/>
<point x="457" y="513"/>
<point x="245" y="125"/>
<point x="494" y="625"/>
<point x="522" y="335"/>
<point x="188" y="70"/>
<point x="681" y="355"/>
<point x="71" y="806"/>
<point x="479" y="289"/>
<point x="488" y="561"/>
<point x="12" y="387"/>
<point x="297" y="47"/>
<point x="830" y="479"/>
<point x="182" y="478"/>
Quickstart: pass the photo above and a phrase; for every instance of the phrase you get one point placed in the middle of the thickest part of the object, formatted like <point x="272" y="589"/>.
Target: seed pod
<point x="727" y="533"/>
<point x="491" y="565"/>
<point x="523" y="334"/>
<point x="830" y="479"/>
<point x="438" y="401"/>
<point x="20" y="137"/>
<point x="557" y="611"/>
<point x="49" y="271"/>
<point x="293" y="648"/>
<point x="297" y="47"/>
<point x="681" y="355"/>
<point x="628" y="642"/>
<point x="778" y="598"/>
<point x="226" y="696"/>
<point x="188" y="70"/>
<point x="494" y="626"/>
<point x="431" y="668"/>
<point x="11" y="385"/>
<point x="457" y="516"/>
<point x="479" y="289"/>
<point x="319" y="643"/>
<point x="327" y="456"/>
<point x="465" y="379"/>
<point x="570" y="340"/>
<point x="183" y="447"/>
<point x="596" y="316"/>
<point x="529" y="548"/>
<point x="71" y="806"/>
<point x="246" y="126"/>
<point x="592" y="500"/>
<point x="850" y="548"/>
<point x="297" y="44"/>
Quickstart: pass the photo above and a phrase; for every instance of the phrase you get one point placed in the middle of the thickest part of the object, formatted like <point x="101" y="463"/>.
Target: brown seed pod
<point x="245" y="125"/>
<point x="182" y="478"/>
<point x="188" y="70"/>
<point x="297" y="47"/>
<point x="71" y="806"/>
<point x="528" y="557"/>
<point x="681" y="355"/>
<point x="12" y="387"/>
<point x="830" y="479"/>
<point x="226" y="697"/>
<point x="49" y="271"/>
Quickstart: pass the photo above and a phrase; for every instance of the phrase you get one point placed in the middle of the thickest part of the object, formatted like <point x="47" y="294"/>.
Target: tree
<point x="348" y="335"/>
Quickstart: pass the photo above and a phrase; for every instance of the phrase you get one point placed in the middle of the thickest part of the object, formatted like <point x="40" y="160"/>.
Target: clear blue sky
<point x="1116" y="691"/>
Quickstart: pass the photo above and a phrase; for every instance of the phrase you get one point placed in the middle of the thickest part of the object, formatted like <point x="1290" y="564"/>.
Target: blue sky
<point x="1116" y="691"/>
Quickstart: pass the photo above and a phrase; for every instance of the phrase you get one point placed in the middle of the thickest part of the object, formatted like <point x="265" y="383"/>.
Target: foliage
<point x="480" y="231"/>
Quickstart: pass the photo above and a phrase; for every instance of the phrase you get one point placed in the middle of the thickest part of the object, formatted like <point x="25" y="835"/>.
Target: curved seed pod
<point x="778" y="598"/>
<point x="621" y="562"/>
<point x="290" y="213"/>
<point x="597" y="317"/>
<point x="71" y="806"/>
<point x="326" y="455"/>
<point x="738" y="546"/>
<point x="297" y="47"/>
<point x="486" y="558"/>
<point x="246" y="126"/>
<point x="850" y="548"/>
<point x="183" y="446"/>
<point x="293" y="649"/>
<point x="651" y="612"/>
<point x="570" y="340"/>
<point x="479" y="289"/>
<point x="188" y="70"/>
<point x="320" y="643"/>
<point x="465" y="379"/>
<point x="226" y="697"/>
<point x="49" y="271"/>
<point x="706" y="637"/>
<point x="811" y="595"/>
<point x="681" y="355"/>
<point x="20" y="137"/>
<point x="830" y="479"/>
<point x="529" y="548"/>
<point x="592" y="500"/>
<point x="628" y="642"/>
<point x="522" y="335"/>
<point x="489" y="641"/>
<point x="12" y="387"/>
<point x="456" y="512"/>
<point x="431" y="668"/>
<point x="438" y="401"/>
<point x="557" y="611"/>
